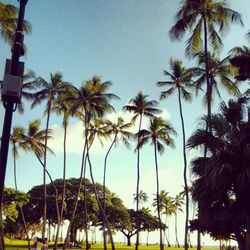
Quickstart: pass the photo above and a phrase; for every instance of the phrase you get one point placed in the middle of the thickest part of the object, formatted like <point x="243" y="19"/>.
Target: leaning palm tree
<point x="181" y="81"/>
<point x="159" y="134"/>
<point x="34" y="141"/>
<point x="17" y="138"/>
<point x="140" y="107"/>
<point x="119" y="131"/>
<point x="49" y="92"/>
<point x="98" y="129"/>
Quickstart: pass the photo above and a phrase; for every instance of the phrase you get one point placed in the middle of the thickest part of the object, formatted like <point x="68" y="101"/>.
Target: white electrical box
<point x="12" y="88"/>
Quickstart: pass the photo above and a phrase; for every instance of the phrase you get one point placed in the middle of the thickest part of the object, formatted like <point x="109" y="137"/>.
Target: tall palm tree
<point x="159" y="134"/>
<point x="62" y="106"/>
<point x="92" y="100"/>
<point x="49" y="92"/>
<point x="17" y="138"/>
<point x="180" y="80"/>
<point x="119" y="131"/>
<point x="98" y="129"/>
<point x="140" y="107"/>
<point x="105" y="219"/>
<point x="8" y="22"/>
<point x="203" y="16"/>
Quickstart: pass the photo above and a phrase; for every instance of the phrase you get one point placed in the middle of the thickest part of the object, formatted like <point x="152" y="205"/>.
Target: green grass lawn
<point x="21" y="245"/>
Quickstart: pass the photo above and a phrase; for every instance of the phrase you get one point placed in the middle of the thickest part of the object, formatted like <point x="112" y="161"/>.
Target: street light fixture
<point x="11" y="95"/>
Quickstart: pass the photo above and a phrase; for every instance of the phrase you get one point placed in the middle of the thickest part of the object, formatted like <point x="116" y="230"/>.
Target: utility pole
<point x="11" y="95"/>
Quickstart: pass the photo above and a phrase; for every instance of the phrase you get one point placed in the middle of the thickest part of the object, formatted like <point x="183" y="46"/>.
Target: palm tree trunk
<point x="77" y="195"/>
<point x="20" y="207"/>
<point x="166" y="223"/>
<point x="64" y="182"/>
<point x="167" y="239"/>
<point x="85" y="205"/>
<point x="157" y="194"/>
<point x="137" y="188"/>
<point x="104" y="190"/>
<point x="64" y="169"/>
<point x="209" y="91"/>
<point x="208" y="107"/>
<point x="99" y="203"/>
<point x="56" y="197"/>
<point x="185" y="171"/>
<point x="176" y="233"/>
<point x="44" y="170"/>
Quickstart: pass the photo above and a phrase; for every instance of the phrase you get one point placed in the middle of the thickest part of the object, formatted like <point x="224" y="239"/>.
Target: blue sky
<point x="127" y="43"/>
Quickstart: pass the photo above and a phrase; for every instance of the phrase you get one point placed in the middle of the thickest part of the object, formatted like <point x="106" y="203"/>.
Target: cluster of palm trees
<point x="166" y="205"/>
<point x="207" y="19"/>
<point x="91" y="103"/>
<point x="221" y="184"/>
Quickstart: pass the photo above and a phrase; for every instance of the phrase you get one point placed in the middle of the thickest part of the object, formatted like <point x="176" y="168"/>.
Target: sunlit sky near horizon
<point x="126" y="42"/>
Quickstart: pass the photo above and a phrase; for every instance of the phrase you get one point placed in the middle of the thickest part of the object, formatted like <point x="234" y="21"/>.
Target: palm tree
<point x="159" y="134"/>
<point x="166" y="207"/>
<point x="49" y="92"/>
<point x="61" y="106"/>
<point x="93" y="101"/>
<point x="178" y="202"/>
<point x="119" y="130"/>
<point x="8" y="22"/>
<point x="98" y="129"/>
<point x="140" y="107"/>
<point x="34" y="141"/>
<point x="220" y="71"/>
<point x="142" y="198"/>
<point x="204" y="16"/>
<point x="17" y="138"/>
<point x="180" y="80"/>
